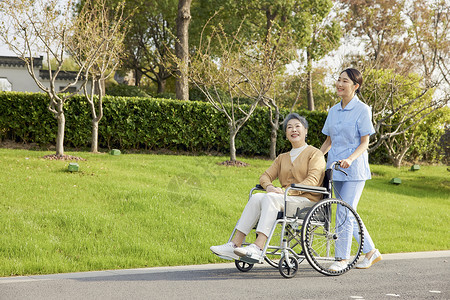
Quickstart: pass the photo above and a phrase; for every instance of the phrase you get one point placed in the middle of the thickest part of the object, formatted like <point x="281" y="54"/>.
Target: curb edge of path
<point x="91" y="274"/>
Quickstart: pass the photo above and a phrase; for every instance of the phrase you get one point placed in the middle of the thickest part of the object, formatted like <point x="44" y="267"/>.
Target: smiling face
<point x="345" y="87"/>
<point x="296" y="133"/>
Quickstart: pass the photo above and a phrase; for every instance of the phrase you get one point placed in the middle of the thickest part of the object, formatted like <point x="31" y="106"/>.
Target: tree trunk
<point x="61" y="126"/>
<point x="232" y="144"/>
<point x="274" y="134"/>
<point x="96" y="117"/>
<point x="137" y="77"/>
<point x="182" y="48"/>
<point x="94" y="140"/>
<point x="161" y="86"/>
<point x="273" y="143"/>
<point x="309" y="91"/>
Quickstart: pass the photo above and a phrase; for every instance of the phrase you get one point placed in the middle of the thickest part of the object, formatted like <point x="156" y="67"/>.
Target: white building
<point x="14" y="76"/>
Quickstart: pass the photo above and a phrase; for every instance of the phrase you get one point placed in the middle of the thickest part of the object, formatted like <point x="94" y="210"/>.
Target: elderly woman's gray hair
<point x="294" y="116"/>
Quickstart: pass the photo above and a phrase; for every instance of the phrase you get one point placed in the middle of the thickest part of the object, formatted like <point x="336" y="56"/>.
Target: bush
<point x="125" y="90"/>
<point x="144" y="123"/>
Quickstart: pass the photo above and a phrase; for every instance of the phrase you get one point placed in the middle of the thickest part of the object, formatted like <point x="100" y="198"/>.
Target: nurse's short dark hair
<point x="294" y="116"/>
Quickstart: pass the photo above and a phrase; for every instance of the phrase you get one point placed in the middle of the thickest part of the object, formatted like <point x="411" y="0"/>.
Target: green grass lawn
<point x="143" y="210"/>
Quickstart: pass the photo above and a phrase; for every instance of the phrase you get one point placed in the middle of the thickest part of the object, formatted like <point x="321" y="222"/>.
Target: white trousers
<point x="265" y="207"/>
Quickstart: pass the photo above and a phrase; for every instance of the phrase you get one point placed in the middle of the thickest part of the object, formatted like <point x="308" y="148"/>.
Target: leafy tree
<point x="150" y="39"/>
<point x="243" y="70"/>
<point x="412" y="40"/>
<point x="397" y="115"/>
<point x="263" y="19"/>
<point x="381" y="26"/>
<point x="325" y="36"/>
<point x="40" y="26"/>
<point x="97" y="44"/>
<point x="427" y="146"/>
<point x="430" y="35"/>
<point x="293" y="91"/>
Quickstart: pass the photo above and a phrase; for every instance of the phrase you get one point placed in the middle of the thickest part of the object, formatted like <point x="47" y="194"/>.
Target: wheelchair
<point x="310" y="233"/>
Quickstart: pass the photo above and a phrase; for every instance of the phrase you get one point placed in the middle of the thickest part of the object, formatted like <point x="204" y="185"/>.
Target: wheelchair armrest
<point x="259" y="187"/>
<point x="309" y="188"/>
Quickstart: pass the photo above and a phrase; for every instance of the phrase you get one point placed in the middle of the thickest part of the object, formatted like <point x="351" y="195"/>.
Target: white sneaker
<point x="252" y="251"/>
<point x="225" y="251"/>
<point x="366" y="263"/>
<point x="338" y="266"/>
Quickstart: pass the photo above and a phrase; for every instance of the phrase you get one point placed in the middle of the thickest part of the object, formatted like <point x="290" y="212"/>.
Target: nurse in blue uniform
<point x="348" y="127"/>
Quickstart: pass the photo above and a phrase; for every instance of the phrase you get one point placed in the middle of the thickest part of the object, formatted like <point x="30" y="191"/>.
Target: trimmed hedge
<point x="144" y="123"/>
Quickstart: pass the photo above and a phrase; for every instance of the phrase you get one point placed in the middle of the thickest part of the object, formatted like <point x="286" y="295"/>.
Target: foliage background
<point x="144" y="123"/>
<point x="132" y="123"/>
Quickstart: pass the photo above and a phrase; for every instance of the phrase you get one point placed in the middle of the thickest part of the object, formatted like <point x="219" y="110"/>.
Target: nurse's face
<point x="345" y="87"/>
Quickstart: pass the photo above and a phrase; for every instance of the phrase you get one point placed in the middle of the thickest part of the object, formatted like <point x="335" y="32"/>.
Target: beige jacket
<point x="308" y="169"/>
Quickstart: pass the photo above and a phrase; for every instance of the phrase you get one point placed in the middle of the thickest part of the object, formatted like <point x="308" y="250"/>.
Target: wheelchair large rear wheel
<point x="327" y="238"/>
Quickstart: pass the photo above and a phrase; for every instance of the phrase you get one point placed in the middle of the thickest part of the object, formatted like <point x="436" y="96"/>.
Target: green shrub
<point x="125" y="90"/>
<point x="144" y="123"/>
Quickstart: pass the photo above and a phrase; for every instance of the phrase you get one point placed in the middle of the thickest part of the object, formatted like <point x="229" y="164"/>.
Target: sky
<point x="4" y="51"/>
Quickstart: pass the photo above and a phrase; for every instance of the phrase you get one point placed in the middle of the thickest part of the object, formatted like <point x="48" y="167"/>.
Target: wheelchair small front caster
<point x="288" y="271"/>
<point x="243" y="266"/>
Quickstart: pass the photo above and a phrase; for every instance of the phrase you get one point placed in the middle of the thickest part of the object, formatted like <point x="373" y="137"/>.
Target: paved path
<point x="422" y="275"/>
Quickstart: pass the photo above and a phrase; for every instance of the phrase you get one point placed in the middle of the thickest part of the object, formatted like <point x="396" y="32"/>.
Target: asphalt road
<point x="422" y="275"/>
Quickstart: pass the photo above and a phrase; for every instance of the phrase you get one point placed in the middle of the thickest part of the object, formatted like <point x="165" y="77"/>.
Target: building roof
<point x="62" y="75"/>
<point x="14" y="61"/>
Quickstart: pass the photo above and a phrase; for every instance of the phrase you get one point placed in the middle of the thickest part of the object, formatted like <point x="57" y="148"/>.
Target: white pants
<point x="265" y="207"/>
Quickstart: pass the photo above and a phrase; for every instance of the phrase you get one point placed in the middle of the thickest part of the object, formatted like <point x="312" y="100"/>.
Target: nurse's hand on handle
<point x="345" y="163"/>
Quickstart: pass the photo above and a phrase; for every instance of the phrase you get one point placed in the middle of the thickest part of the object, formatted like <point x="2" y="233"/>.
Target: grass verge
<point x="142" y="210"/>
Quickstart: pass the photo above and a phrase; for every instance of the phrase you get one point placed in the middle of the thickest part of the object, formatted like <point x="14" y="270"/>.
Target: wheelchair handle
<point x="336" y="166"/>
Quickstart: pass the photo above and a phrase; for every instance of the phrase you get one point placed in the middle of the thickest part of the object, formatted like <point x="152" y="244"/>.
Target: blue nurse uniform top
<point x="345" y="127"/>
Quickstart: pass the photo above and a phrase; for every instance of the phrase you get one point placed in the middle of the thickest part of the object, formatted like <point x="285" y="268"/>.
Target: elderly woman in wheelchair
<point x="305" y="165"/>
<point x="298" y="220"/>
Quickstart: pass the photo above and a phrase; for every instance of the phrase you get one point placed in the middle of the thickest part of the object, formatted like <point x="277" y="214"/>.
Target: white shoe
<point x="225" y="251"/>
<point x="252" y="251"/>
<point x="338" y="266"/>
<point x="366" y="263"/>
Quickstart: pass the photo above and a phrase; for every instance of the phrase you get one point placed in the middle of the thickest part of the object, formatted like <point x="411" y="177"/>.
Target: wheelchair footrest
<point x="250" y="260"/>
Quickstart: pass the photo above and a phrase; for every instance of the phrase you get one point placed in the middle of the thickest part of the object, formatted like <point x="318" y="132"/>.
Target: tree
<point x="265" y="19"/>
<point x="150" y="39"/>
<point x="382" y="28"/>
<point x="430" y="36"/>
<point x="42" y="26"/>
<point x="428" y="147"/>
<point x="242" y="70"/>
<point x="399" y="106"/>
<point x="417" y="51"/>
<point x="98" y="45"/>
<point x="292" y="92"/>
<point x="182" y="49"/>
<point x="325" y="37"/>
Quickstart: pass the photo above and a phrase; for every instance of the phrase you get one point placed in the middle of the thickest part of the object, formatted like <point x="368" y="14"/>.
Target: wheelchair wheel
<point x="243" y="266"/>
<point x="327" y="236"/>
<point x="288" y="271"/>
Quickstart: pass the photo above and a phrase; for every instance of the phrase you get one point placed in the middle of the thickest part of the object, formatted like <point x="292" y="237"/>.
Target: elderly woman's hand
<point x="272" y="189"/>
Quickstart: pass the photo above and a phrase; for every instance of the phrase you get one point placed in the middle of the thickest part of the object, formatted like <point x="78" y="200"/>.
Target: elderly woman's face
<point x="295" y="132"/>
